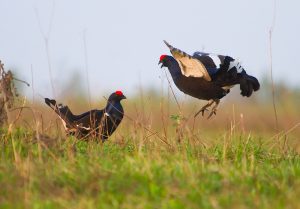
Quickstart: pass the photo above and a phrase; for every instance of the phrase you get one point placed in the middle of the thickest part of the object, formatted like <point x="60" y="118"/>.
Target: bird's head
<point x="163" y="60"/>
<point x="116" y="96"/>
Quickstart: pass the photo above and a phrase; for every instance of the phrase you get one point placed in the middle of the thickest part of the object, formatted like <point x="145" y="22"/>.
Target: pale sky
<point x="125" y="39"/>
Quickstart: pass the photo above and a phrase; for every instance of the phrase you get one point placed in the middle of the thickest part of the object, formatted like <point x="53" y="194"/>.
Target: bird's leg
<point x="204" y="108"/>
<point x="214" y="108"/>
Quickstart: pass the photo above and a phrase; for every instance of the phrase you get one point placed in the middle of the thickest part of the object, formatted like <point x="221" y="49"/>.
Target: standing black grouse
<point x="96" y="123"/>
<point x="207" y="76"/>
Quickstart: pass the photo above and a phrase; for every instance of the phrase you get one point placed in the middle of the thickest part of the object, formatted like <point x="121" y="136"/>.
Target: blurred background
<point x="71" y="49"/>
<point x="79" y="51"/>
<point x="119" y="42"/>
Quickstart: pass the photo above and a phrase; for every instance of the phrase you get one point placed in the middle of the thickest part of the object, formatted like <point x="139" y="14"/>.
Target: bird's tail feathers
<point x="50" y="102"/>
<point x="232" y="69"/>
<point x="248" y="84"/>
<point x="62" y="110"/>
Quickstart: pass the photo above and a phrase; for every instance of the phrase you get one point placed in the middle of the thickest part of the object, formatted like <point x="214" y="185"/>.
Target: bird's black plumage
<point x="94" y="123"/>
<point x="207" y="76"/>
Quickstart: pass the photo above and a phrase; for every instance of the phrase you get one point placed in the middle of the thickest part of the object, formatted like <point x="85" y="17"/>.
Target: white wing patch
<point x="86" y="128"/>
<point x="237" y="64"/>
<point x="215" y="59"/>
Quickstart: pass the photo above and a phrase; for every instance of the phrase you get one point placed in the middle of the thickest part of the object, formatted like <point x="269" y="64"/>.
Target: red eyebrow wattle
<point x="162" y="57"/>
<point x="119" y="93"/>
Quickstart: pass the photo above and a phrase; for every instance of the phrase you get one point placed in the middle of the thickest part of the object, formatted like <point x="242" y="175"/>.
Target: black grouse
<point x="94" y="123"/>
<point x="207" y="76"/>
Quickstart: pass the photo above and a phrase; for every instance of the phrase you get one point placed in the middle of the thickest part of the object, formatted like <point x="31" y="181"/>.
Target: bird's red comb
<point x="120" y="93"/>
<point x="162" y="57"/>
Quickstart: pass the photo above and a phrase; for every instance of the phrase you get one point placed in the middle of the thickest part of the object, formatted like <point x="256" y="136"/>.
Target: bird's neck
<point x="114" y="106"/>
<point x="174" y="68"/>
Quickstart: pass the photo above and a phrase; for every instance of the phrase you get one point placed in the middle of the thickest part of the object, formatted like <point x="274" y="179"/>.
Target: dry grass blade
<point x="271" y="65"/>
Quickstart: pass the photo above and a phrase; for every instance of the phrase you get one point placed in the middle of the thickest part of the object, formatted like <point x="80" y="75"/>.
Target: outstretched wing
<point x="189" y="65"/>
<point x="209" y="60"/>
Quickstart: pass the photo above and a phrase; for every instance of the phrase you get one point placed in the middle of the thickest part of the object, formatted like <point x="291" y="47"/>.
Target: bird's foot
<point x="214" y="109"/>
<point x="213" y="112"/>
<point x="204" y="108"/>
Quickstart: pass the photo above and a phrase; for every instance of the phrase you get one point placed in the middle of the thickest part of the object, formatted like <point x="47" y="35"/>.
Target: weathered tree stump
<point x="7" y="94"/>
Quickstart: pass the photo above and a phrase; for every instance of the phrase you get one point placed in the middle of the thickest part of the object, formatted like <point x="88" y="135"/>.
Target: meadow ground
<point x="159" y="158"/>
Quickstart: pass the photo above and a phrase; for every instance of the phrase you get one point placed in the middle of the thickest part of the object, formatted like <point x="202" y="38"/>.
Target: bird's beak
<point x="123" y="97"/>
<point x="160" y="62"/>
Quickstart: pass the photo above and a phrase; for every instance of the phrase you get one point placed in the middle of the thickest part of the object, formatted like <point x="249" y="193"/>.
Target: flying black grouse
<point x="207" y="76"/>
<point x="98" y="123"/>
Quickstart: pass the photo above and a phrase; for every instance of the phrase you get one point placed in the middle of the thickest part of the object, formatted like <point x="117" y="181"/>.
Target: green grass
<point x="232" y="172"/>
